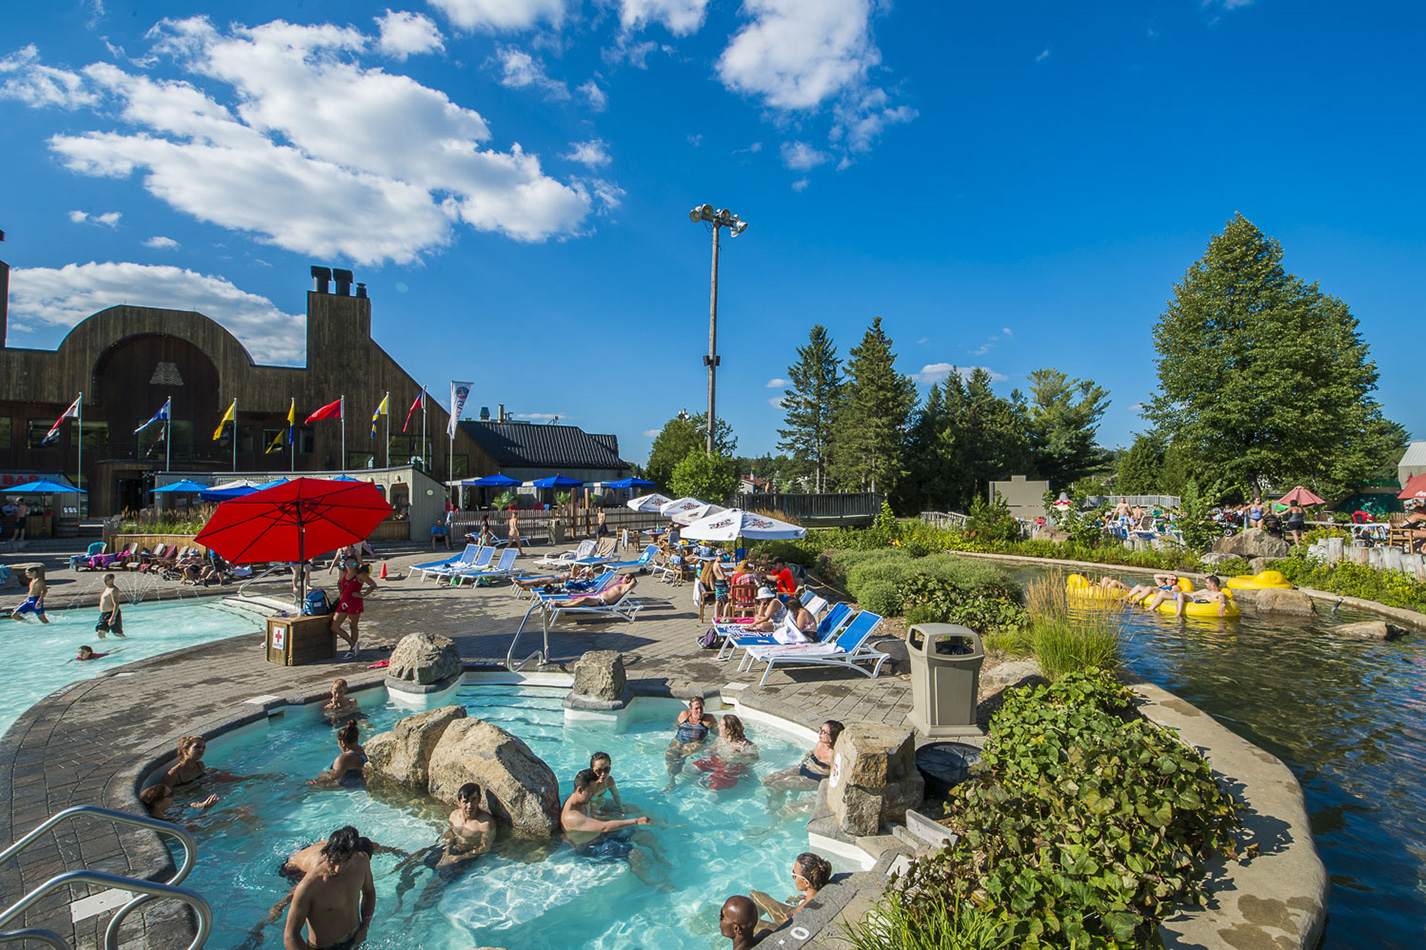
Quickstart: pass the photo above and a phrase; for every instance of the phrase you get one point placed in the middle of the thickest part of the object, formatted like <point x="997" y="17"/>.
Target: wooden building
<point x="128" y="360"/>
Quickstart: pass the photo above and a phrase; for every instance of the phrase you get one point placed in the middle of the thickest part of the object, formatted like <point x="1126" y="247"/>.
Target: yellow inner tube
<point x="1078" y="588"/>
<point x="1259" y="581"/>
<point x="1193" y="608"/>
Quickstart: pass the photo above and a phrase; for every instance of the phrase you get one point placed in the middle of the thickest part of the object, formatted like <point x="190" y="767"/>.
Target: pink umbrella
<point x="1415" y="487"/>
<point x="1301" y="496"/>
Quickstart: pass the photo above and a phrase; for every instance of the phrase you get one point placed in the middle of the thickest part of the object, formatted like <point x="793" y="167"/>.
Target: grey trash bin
<point x="945" y="677"/>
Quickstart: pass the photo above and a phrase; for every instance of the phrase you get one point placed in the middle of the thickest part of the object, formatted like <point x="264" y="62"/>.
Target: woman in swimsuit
<point x="1296" y="522"/>
<point x="515" y="531"/>
<point x="353" y="586"/>
<point x="732" y="757"/>
<point x="346" y="769"/>
<point x="805" y="775"/>
<point x="692" y="728"/>
<point x="189" y="767"/>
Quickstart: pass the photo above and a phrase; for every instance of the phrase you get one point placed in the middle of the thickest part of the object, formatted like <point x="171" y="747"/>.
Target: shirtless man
<point x="471" y="834"/>
<point x="1214" y="594"/>
<point x="609" y="595"/>
<point x="34" y="598"/>
<point x="738" y="921"/>
<point x="337" y="898"/>
<point x="592" y="836"/>
<point x="110" y="620"/>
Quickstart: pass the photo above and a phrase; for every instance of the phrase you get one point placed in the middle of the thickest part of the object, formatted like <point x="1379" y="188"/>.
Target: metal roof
<point x="545" y="446"/>
<point x="1415" y="455"/>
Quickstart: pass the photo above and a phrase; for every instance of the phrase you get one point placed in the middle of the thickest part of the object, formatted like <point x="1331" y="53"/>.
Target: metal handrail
<point x="147" y="890"/>
<point x="243" y="589"/>
<point x="510" y="663"/>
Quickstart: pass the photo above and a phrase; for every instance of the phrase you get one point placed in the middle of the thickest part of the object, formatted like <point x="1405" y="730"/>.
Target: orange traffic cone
<point x="383" y="570"/>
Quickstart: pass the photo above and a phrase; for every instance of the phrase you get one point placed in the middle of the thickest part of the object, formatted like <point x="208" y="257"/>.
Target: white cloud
<point x="501" y="14"/>
<point x="164" y="243"/>
<point x="540" y="416"/>
<point x="110" y="219"/>
<point x="651" y="433"/>
<point x="520" y="70"/>
<point x="606" y="193"/>
<point x="1043" y="55"/>
<point x="751" y="149"/>
<point x="680" y="17"/>
<point x="405" y="34"/>
<point x="940" y="372"/>
<point x="598" y="99"/>
<point x="800" y="185"/>
<point x="775" y="402"/>
<point x="778" y="383"/>
<point x="695" y="139"/>
<point x="62" y="297"/>
<point x="799" y="156"/>
<point x="1007" y="331"/>
<point x="316" y="153"/>
<point x="592" y="153"/>
<point x="923" y="341"/>
<point x="37" y="85"/>
<point x="797" y="55"/>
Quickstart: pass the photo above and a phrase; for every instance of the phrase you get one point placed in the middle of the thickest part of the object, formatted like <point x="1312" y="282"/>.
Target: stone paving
<point x="91" y="743"/>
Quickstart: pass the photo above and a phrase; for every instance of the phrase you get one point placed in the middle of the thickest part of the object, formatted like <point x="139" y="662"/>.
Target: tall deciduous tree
<point x="1264" y="379"/>
<point x="679" y="436"/>
<point x="1061" y="422"/>
<point x="872" y="419"/>
<point x="700" y="475"/>
<point x="810" y="404"/>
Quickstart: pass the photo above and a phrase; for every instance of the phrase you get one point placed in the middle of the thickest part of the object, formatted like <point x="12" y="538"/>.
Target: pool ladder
<point x="541" y="656"/>
<point x="145" y="891"/>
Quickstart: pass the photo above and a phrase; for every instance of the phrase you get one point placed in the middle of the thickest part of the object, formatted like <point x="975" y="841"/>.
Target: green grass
<point x="934" y="924"/>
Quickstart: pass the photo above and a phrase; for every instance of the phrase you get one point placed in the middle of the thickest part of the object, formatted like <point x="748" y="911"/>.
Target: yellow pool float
<point x="1195" y="609"/>
<point x="1079" y="589"/>
<point x="1259" y="581"/>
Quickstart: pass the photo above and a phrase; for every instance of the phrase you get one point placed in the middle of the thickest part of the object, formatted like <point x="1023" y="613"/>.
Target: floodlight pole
<point x="719" y="219"/>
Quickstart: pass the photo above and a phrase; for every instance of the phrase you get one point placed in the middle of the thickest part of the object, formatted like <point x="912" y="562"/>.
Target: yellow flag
<point x="230" y="416"/>
<point x="292" y="415"/>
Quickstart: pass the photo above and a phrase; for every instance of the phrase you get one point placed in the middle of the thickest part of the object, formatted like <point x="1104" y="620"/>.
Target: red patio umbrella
<point x="1415" y="487"/>
<point x="1301" y="496"/>
<point x="294" y="520"/>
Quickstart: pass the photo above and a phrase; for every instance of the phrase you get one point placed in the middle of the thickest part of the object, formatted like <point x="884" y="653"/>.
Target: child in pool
<point x="86" y="652"/>
<point x="35" y="597"/>
<point x="340" y="704"/>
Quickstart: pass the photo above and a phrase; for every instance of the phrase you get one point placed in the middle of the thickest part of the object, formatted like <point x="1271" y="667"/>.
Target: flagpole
<point x="79" y="462"/>
<point x="168" y="436"/>
<point x="342" y="413"/>
<point x="235" y="435"/>
<point x="425" y="456"/>
<point x="292" y="436"/>
<point x="387" y="403"/>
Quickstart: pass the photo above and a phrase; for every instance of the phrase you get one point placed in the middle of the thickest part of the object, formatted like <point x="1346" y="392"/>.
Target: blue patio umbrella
<point x="557" y="481"/>
<point x="492" y="481"/>
<point x="274" y="483"/>
<point x="42" y="487"/>
<point x="188" y="486"/>
<point x="224" y="494"/>
<point x="630" y="483"/>
<point x="339" y="478"/>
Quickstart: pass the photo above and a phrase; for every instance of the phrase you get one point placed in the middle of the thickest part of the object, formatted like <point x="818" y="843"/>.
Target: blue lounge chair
<point x="734" y="640"/>
<point x="847" y="649"/>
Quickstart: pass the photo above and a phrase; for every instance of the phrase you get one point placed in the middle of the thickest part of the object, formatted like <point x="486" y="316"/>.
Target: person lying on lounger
<point x="609" y="595"/>
<point x="550" y="582"/>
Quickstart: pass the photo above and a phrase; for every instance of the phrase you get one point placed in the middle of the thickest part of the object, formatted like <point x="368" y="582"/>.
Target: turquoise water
<point x="520" y="896"/>
<point x="45" y="652"/>
<point x="1347" y="717"/>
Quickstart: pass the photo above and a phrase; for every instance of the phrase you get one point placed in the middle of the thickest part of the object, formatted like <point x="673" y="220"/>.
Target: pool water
<point x="46" y="651"/>
<point x="716" y="843"/>
<point x="1347" y="717"/>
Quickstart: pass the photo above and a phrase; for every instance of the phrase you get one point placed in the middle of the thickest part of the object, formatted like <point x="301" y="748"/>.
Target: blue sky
<point x="1008" y="186"/>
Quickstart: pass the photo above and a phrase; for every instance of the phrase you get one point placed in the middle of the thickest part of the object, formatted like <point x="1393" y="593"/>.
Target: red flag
<point x="332" y="410"/>
<point x="418" y="404"/>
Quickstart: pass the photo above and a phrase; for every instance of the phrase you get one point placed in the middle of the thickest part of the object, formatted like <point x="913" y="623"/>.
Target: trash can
<point x="945" y="677"/>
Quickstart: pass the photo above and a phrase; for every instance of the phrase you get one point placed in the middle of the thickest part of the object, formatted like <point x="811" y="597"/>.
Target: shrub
<point x="941" y="922"/>
<point x="1393" y="588"/>
<point x="991" y="521"/>
<point x="1085" y="827"/>
<point x="880" y="596"/>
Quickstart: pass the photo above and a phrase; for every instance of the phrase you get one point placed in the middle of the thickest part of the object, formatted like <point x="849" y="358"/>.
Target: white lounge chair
<point x="847" y="649"/>
<point x="456" y="573"/>
<point x="431" y="568"/>
<point x="585" y="550"/>
<point x="505" y="567"/>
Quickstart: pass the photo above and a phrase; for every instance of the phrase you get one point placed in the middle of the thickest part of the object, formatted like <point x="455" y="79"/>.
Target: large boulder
<point x="874" y="777"/>
<point x="1259" y="564"/>
<point x="1254" y="542"/>
<point x="423" y="659"/>
<point x="520" y="789"/>
<point x="599" y="682"/>
<point x="1214" y="558"/>
<point x="1011" y="673"/>
<point x="403" y="754"/>
<point x="1276" y="600"/>
<point x="1368" y="630"/>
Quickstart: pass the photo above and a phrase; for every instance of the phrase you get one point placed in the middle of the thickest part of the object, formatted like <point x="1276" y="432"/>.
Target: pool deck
<point x="90" y="743"/>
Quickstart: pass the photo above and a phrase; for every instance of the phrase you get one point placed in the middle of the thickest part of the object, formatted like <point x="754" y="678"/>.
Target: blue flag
<point x="159" y="416"/>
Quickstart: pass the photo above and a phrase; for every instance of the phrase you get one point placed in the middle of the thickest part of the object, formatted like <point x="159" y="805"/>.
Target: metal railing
<point x="146" y="891"/>
<point x="540" y="654"/>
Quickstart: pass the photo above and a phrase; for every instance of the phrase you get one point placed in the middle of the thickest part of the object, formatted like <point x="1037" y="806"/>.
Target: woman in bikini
<point x="515" y="531"/>
<point x="693" y="726"/>
<point x="353" y="586"/>
<point x="805" y="775"/>
<point x="732" y="756"/>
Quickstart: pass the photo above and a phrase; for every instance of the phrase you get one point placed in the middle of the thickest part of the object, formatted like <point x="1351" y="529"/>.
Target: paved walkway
<point x="90" y="743"/>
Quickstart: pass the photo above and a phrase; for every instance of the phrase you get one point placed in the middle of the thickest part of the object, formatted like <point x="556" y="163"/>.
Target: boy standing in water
<point x="109" y="619"/>
<point x="35" y="599"/>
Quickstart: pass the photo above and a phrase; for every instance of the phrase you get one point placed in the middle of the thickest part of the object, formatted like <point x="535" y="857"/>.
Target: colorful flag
<point x="277" y="442"/>
<point x="284" y="435"/>
<point x="230" y="416"/>
<point x="332" y="410"/>
<point x="380" y="411"/>
<point x="420" y="403"/>
<point x="163" y="413"/>
<point x="460" y="392"/>
<point x="71" y="413"/>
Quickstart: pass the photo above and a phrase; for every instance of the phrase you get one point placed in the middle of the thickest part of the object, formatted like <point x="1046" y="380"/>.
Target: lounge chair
<point x="553" y="607"/>
<point x="646" y="559"/>
<point x="505" y="567"/>
<point x="735" y="638"/>
<point x="430" y="568"/>
<point x="457" y="573"/>
<point x="847" y="649"/>
<point x="595" y="585"/>
<point x="86" y="560"/>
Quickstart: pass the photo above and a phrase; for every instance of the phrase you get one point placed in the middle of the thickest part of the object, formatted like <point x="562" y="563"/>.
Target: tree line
<point x="1263" y="382"/>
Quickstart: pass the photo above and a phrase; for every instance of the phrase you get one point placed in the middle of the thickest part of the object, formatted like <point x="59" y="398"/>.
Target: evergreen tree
<point x="810" y="404"/>
<point x="1062" y="419"/>
<point x="936" y="478"/>
<point x="870" y="427"/>
<point x="1140" y="468"/>
<point x="1263" y="379"/>
<point x="994" y="443"/>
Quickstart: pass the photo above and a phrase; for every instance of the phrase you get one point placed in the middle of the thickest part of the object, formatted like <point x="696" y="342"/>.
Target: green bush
<point x="1085" y="827"/>
<point x="991" y="521"/>
<point x="880" y="597"/>
<point x="1393" y="588"/>
<point x="940" y="922"/>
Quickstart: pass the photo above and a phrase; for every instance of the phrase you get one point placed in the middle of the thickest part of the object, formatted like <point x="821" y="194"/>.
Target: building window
<point x="306" y="441"/>
<point x="360" y="460"/>
<point x="36" y="430"/>
<point x="96" y="437"/>
<point x="274" y="440"/>
<point x="4" y="432"/>
<point x="459" y="466"/>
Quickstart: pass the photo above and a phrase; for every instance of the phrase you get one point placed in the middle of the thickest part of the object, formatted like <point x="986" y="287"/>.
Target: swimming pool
<point x="46" y="651"/>
<point x="521" y="895"/>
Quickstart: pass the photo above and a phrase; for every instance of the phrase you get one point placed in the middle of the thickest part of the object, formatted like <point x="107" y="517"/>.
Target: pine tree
<point x="810" y="404"/>
<point x="870" y="427"/>
<point x="1062" y="419"/>
<point x="1264" y="380"/>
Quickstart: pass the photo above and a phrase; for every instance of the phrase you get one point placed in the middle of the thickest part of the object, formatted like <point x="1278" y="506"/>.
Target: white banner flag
<point x="460" y="392"/>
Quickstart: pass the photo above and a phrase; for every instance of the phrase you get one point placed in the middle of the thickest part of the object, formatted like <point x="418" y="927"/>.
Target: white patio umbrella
<point x="648" y="502"/>
<point x="691" y="515"/>
<point x="683" y="505"/>
<point x="736" y="523"/>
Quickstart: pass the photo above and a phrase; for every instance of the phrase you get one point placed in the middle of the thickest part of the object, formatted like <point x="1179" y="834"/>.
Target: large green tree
<point x="1062" y="419"/>
<point x="679" y="436"/>
<point x="871" y="422"/>
<point x="1263" y="379"/>
<point x="1141" y="466"/>
<point x="810" y="404"/>
<point x="700" y="475"/>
